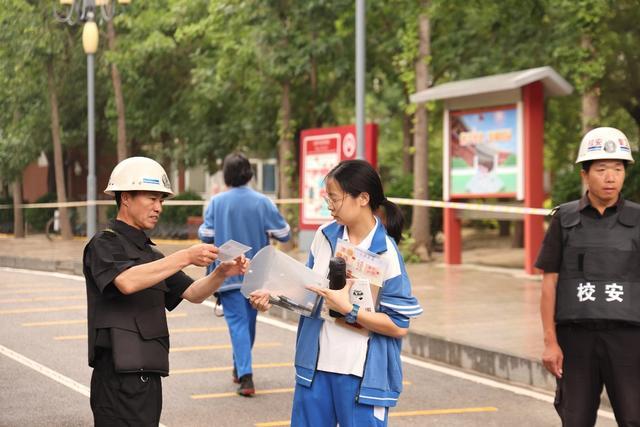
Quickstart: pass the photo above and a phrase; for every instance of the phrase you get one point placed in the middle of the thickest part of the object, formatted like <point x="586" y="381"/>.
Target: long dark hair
<point x="358" y="176"/>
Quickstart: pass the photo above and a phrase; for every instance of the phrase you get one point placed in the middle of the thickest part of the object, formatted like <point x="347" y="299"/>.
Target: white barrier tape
<point x="111" y="202"/>
<point x="472" y="206"/>
<point x="410" y="202"/>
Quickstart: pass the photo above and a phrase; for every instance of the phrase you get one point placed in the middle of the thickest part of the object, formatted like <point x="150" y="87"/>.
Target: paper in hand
<point x="231" y="249"/>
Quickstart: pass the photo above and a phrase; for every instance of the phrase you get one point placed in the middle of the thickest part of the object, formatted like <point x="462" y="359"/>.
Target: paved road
<point x="44" y="375"/>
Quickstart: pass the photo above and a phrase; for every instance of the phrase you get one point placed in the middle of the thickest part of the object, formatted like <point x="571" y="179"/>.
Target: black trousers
<point x="598" y="354"/>
<point x="123" y="399"/>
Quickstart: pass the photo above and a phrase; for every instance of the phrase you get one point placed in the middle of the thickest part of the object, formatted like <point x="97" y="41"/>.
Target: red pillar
<point x="452" y="237"/>
<point x="533" y="104"/>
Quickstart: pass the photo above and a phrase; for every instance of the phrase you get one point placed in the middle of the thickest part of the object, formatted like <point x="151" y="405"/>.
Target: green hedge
<point x="6" y="215"/>
<point x="179" y="214"/>
<point x="37" y="218"/>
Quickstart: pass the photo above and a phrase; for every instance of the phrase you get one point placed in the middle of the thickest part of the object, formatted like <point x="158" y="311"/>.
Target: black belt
<point x="600" y="325"/>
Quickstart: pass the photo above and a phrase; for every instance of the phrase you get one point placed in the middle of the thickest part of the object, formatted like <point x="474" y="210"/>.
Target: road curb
<point x="492" y="363"/>
<point x="495" y="364"/>
<point x="58" y="266"/>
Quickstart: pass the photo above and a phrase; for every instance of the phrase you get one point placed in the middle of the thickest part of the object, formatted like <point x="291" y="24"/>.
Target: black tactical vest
<point x="137" y="322"/>
<point x="600" y="272"/>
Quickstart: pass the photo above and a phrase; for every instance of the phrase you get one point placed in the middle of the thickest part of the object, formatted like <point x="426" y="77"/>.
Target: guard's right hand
<point x="552" y="359"/>
<point x="202" y="254"/>
<point x="259" y="300"/>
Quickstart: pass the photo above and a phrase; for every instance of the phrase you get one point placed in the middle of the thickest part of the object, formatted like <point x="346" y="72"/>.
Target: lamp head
<point x="90" y="37"/>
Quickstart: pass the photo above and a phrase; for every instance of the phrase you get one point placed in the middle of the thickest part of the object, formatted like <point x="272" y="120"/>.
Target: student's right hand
<point x="202" y="254"/>
<point x="259" y="300"/>
<point x="552" y="358"/>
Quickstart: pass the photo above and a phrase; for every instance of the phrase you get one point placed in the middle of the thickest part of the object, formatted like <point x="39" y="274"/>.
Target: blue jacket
<point x="381" y="382"/>
<point x="246" y="216"/>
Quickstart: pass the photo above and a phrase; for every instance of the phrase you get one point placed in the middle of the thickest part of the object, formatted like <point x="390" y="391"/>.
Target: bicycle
<point x="52" y="227"/>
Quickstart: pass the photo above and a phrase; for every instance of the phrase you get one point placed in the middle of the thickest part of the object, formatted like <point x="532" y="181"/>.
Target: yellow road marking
<point x="37" y="291"/>
<point x="81" y="321"/>
<point x="442" y="411"/>
<point x="70" y="337"/>
<point x="219" y="395"/>
<point x="171" y="331"/>
<point x="221" y="347"/>
<point x="44" y="309"/>
<point x="35" y="299"/>
<point x="201" y="329"/>
<point x="399" y="414"/>
<point x="56" y="322"/>
<point x="273" y="424"/>
<point x="41" y="286"/>
<point x="172" y="315"/>
<point x="229" y="368"/>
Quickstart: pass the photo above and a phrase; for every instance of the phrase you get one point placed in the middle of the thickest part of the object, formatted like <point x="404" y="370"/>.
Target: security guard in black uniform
<point x="129" y="286"/>
<point x="590" y="304"/>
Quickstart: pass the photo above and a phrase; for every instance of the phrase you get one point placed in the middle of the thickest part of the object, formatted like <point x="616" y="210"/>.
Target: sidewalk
<point x="476" y="317"/>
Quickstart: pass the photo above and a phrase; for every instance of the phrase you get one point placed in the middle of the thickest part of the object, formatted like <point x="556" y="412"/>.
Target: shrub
<point x="406" y="249"/>
<point x="178" y="214"/>
<point x="567" y="186"/>
<point x="6" y="215"/>
<point x="37" y="218"/>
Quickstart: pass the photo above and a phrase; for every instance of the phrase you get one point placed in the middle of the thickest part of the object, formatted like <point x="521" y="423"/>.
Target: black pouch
<point x="144" y="350"/>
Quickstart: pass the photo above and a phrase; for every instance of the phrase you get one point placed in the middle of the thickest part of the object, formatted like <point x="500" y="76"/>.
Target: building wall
<point x="34" y="182"/>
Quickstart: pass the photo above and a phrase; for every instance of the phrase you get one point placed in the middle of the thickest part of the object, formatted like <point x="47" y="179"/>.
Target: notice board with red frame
<point x="320" y="150"/>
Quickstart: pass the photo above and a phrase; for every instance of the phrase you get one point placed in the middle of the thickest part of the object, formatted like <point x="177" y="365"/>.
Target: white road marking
<point x="47" y="372"/>
<point x="43" y="273"/>
<point x="522" y="391"/>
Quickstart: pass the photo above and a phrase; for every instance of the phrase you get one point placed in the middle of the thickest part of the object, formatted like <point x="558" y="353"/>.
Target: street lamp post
<point x="85" y="11"/>
<point x="360" y="76"/>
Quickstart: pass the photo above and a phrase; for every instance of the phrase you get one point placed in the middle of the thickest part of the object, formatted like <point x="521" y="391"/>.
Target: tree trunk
<point x="407" y="160"/>
<point x="591" y="96"/>
<point x="504" y="228"/>
<point x="285" y="158"/>
<point x="123" y="151"/>
<point x="18" y="217"/>
<point x="421" y="224"/>
<point x="65" y="224"/>
<point x="517" y="240"/>
<point x="590" y="108"/>
<point x="313" y="82"/>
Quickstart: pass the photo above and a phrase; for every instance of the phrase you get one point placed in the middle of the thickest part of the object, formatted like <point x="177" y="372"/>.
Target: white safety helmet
<point x="604" y="143"/>
<point x="139" y="174"/>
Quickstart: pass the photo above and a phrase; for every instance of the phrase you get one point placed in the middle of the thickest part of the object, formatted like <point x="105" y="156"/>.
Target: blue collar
<point x="334" y="231"/>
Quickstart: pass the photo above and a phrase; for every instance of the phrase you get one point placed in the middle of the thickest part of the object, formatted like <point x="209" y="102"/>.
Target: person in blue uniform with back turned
<point x="342" y="376"/>
<point x="246" y="216"/>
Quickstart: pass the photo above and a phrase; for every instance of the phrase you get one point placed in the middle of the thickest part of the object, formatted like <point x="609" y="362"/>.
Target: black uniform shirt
<point x="550" y="255"/>
<point x="105" y="258"/>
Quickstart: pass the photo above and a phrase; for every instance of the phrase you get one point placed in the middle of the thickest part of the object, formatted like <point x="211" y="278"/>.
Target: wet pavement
<point x="493" y="308"/>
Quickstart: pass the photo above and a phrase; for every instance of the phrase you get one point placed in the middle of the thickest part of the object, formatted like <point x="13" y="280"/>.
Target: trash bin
<point x="193" y="223"/>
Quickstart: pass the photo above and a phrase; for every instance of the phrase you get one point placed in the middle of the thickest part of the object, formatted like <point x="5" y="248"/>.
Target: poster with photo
<point x="485" y="158"/>
<point x="321" y="150"/>
<point x="321" y="155"/>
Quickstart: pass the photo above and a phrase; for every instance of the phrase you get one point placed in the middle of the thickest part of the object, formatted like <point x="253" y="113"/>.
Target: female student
<point x="342" y="376"/>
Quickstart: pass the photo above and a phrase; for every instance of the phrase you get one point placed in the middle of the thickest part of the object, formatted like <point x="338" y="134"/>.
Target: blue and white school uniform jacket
<point x="246" y="216"/>
<point x="381" y="382"/>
